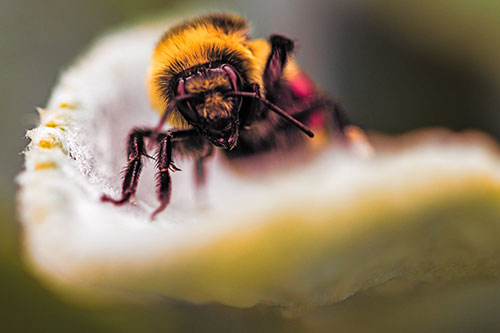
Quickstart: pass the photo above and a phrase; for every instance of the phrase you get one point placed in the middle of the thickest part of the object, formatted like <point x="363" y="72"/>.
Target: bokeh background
<point x="395" y="66"/>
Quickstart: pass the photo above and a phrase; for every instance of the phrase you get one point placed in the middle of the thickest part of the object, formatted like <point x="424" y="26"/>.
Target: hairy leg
<point x="281" y="48"/>
<point x="135" y="151"/>
<point x="164" y="159"/>
<point x="165" y="165"/>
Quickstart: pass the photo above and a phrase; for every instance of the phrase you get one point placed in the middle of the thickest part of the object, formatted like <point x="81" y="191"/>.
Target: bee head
<point x="214" y="114"/>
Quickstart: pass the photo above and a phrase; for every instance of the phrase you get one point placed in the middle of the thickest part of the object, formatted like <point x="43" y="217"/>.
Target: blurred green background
<point x="395" y="66"/>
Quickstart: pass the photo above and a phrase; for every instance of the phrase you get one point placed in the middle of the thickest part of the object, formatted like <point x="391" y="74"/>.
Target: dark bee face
<point x="212" y="113"/>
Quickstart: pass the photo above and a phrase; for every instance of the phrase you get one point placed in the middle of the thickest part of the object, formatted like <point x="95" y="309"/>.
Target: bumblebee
<point x="218" y="88"/>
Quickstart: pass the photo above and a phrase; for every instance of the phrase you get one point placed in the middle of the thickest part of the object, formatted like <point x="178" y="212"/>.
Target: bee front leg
<point x="164" y="182"/>
<point x="135" y="151"/>
<point x="165" y="164"/>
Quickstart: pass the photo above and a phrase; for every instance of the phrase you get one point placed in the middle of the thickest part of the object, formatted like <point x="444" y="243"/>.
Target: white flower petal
<point x="300" y="237"/>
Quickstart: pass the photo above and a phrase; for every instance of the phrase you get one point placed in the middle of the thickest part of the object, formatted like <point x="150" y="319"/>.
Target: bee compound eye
<point x="181" y="90"/>
<point x="232" y="75"/>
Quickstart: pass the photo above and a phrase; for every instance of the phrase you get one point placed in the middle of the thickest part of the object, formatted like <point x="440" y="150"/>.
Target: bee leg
<point x="164" y="159"/>
<point x="354" y="136"/>
<point x="135" y="151"/>
<point x="340" y="118"/>
<point x="199" y="170"/>
<point x="165" y="164"/>
<point x="281" y="47"/>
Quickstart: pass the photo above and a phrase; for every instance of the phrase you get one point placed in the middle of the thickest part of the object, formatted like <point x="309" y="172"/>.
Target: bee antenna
<point x="276" y="109"/>
<point x="170" y="107"/>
